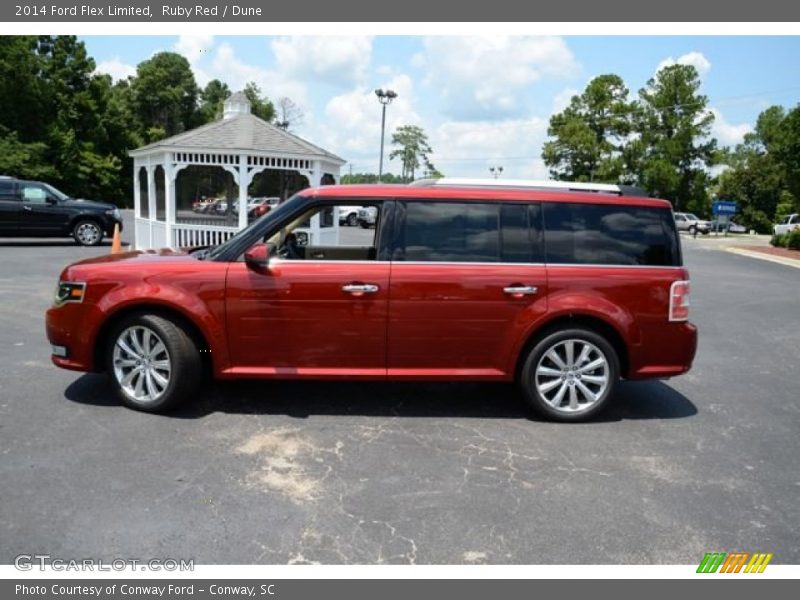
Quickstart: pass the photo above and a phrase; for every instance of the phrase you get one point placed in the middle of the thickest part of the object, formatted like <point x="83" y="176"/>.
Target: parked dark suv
<point x="563" y="290"/>
<point x="37" y="209"/>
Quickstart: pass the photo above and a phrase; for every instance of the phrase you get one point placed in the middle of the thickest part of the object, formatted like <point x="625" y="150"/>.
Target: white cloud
<point x="339" y="61"/>
<point x="694" y="58"/>
<point x="352" y="122"/>
<point x="116" y="68"/>
<point x="562" y="99"/>
<point x="469" y="148"/>
<point x="727" y="133"/>
<point x="485" y="77"/>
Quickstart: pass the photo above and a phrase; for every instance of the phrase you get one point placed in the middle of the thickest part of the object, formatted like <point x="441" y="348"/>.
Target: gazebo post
<point x="244" y="183"/>
<point x="169" y="201"/>
<point x="137" y="191"/>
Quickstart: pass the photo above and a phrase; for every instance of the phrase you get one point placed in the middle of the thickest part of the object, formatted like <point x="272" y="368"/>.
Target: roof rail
<point x="565" y="186"/>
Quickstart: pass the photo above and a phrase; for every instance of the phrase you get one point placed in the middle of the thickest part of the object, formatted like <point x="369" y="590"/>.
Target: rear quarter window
<point x="603" y="234"/>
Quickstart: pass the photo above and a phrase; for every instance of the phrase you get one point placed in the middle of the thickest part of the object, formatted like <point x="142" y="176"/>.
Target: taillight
<point x="679" y="301"/>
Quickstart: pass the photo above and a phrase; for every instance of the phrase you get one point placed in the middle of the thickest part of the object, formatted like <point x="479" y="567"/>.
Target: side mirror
<point x="257" y="257"/>
<point x="50" y="200"/>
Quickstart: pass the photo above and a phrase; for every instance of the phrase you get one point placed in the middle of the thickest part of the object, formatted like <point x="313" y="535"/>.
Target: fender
<point x="583" y="304"/>
<point x="204" y="311"/>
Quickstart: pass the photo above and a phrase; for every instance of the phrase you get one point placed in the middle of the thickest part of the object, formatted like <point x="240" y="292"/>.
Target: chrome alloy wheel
<point x="572" y="375"/>
<point x="142" y="364"/>
<point x="88" y="234"/>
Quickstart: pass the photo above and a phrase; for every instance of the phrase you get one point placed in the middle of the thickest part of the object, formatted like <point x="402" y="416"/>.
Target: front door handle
<point x="24" y="207"/>
<point x="518" y="291"/>
<point x="359" y="289"/>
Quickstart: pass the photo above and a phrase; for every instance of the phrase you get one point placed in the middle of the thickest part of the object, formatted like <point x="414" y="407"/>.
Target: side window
<point x="521" y="236"/>
<point x="451" y="232"/>
<point x="7" y="190"/>
<point x="32" y="193"/>
<point x="316" y="235"/>
<point x="603" y="234"/>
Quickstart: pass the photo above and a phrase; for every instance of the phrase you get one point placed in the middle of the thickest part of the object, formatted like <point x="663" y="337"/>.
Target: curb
<point x="789" y="262"/>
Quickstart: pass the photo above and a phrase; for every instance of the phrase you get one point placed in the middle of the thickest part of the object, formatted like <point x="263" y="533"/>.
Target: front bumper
<point x="68" y="327"/>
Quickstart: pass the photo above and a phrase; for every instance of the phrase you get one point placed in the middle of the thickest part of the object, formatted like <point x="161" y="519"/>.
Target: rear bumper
<point x="666" y="352"/>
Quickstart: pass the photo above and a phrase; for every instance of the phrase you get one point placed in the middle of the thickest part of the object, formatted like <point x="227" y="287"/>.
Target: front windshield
<point x="56" y="193"/>
<point x="275" y="213"/>
<point x="691" y="217"/>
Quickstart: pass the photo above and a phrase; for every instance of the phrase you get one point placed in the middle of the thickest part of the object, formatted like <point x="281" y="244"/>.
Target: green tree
<point x="759" y="177"/>
<point x="260" y="106"/>
<point x="212" y="98"/>
<point x="413" y="149"/>
<point x="589" y="134"/>
<point x="165" y="95"/>
<point x="675" y="148"/>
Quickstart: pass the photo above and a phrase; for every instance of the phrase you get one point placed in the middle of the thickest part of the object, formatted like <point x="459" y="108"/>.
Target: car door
<point x="41" y="214"/>
<point x="318" y="310"/>
<point x="467" y="281"/>
<point x="10" y="207"/>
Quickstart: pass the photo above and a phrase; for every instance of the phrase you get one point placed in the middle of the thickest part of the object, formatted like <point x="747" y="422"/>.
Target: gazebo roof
<point x="243" y="132"/>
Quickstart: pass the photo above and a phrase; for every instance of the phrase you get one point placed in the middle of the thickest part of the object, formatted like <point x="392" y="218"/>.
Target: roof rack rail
<point x="533" y="184"/>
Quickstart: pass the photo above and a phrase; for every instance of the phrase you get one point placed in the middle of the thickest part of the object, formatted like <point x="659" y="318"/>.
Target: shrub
<point x="793" y="239"/>
<point x="779" y="240"/>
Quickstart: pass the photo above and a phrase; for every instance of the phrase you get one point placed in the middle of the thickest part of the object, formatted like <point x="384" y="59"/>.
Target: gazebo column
<point x="137" y="190"/>
<point x="244" y="183"/>
<point x="151" y="192"/>
<point x="169" y="202"/>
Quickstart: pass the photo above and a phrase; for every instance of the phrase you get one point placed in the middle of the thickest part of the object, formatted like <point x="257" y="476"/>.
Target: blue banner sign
<point x="723" y="207"/>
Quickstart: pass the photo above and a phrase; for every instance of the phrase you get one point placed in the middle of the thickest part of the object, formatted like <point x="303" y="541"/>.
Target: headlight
<point x="114" y="212"/>
<point x="69" y="291"/>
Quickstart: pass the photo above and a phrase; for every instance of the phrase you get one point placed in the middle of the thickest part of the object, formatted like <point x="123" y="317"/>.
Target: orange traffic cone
<point x="116" y="242"/>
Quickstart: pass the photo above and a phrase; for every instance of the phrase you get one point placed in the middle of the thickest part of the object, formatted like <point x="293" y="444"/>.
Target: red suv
<point x="564" y="290"/>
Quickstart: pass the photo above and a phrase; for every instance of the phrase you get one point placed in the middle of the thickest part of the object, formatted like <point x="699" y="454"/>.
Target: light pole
<point x="496" y="171"/>
<point x="384" y="97"/>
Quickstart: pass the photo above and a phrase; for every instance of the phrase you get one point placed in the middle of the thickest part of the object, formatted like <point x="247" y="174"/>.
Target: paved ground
<point x="354" y="473"/>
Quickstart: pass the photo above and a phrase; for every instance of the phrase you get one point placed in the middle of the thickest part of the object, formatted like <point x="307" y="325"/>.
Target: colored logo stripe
<point x="733" y="562"/>
<point x="758" y="563"/>
<point x="711" y="562"/>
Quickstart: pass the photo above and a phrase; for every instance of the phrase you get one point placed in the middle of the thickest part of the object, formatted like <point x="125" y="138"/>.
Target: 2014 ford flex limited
<point x="563" y="291"/>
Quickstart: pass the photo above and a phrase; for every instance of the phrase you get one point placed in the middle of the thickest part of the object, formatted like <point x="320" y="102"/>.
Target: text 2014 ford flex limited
<point x="562" y="288"/>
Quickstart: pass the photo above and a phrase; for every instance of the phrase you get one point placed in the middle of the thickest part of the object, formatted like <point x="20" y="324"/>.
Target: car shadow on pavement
<point x="301" y="399"/>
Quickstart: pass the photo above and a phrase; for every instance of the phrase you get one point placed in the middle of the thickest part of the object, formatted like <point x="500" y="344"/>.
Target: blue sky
<point x="483" y="101"/>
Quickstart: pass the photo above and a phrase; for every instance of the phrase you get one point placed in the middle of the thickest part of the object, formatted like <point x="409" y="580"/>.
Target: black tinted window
<point x="6" y="190"/>
<point x="609" y="235"/>
<point x="452" y="231"/>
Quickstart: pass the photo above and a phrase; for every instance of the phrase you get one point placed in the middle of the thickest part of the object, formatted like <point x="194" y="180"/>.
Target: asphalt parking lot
<point x="304" y="472"/>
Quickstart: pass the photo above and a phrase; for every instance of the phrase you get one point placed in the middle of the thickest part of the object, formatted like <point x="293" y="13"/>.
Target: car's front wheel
<point x="569" y="375"/>
<point x="153" y="362"/>
<point x="87" y="233"/>
<point x="352" y="220"/>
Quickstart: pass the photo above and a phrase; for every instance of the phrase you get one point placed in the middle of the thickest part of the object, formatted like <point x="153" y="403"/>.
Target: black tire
<point x="352" y="220"/>
<point x="692" y="230"/>
<point x="534" y="360"/>
<point x="185" y="371"/>
<point x="87" y="232"/>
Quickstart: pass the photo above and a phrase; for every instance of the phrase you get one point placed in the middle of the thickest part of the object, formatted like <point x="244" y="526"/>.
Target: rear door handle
<point x="518" y="291"/>
<point x="359" y="289"/>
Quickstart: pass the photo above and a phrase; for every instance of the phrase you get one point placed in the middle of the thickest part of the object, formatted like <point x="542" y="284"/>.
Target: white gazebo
<point x="241" y="144"/>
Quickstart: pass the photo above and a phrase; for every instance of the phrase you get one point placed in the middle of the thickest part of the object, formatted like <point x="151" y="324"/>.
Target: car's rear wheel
<point x="87" y="233"/>
<point x="569" y="375"/>
<point x="153" y="363"/>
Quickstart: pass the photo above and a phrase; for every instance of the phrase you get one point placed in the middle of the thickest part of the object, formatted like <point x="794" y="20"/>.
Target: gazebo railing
<point x="186" y="234"/>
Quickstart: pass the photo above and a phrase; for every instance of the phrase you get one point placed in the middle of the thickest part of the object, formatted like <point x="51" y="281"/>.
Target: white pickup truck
<point x="788" y="224"/>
